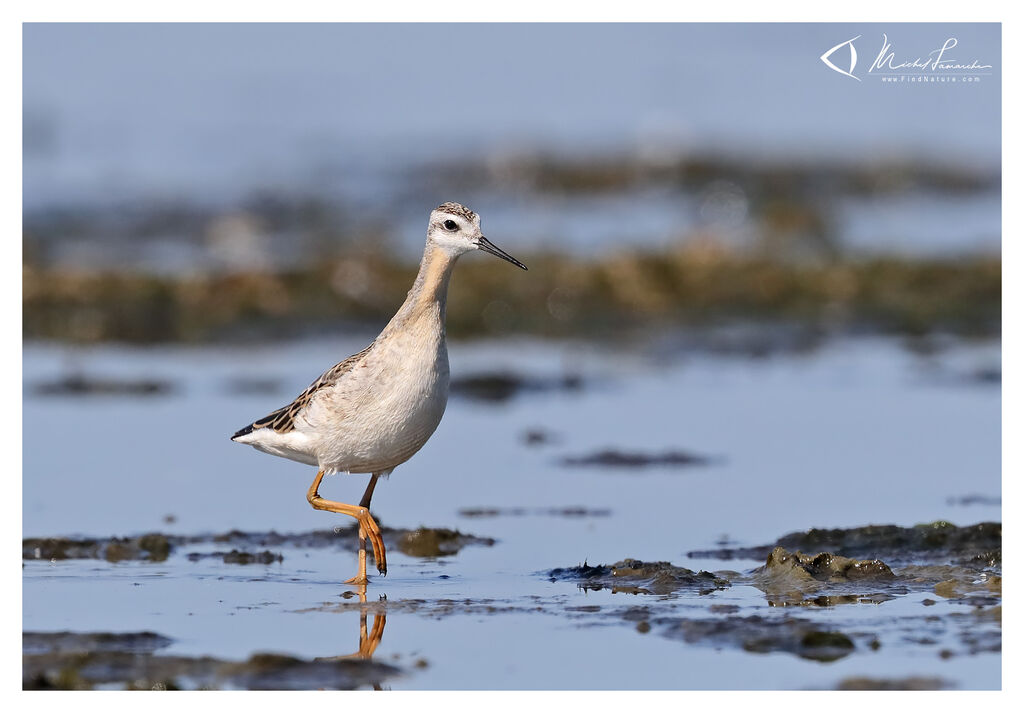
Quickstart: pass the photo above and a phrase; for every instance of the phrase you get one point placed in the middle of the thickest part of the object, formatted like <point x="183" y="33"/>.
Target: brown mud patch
<point x="77" y="661"/>
<point x="82" y="385"/>
<point x="979" y="544"/>
<point x="975" y="499"/>
<point x="789" y="578"/>
<point x="913" y="683"/>
<point x="437" y="542"/>
<point x="612" y="458"/>
<point x="246" y="547"/>
<point x="638" y="577"/>
<point x="691" y="287"/>
<point x="762" y="635"/>
<point x="572" y="511"/>
<point x="502" y="386"/>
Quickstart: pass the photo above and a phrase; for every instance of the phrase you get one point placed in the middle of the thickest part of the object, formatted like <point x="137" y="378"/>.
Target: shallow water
<point x="860" y="431"/>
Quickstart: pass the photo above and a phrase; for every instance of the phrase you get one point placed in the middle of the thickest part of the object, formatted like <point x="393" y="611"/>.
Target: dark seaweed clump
<point x="632" y="459"/>
<point x="152" y="547"/>
<point x="81" y="385"/>
<point x="437" y="542"/>
<point x="824" y="579"/>
<point x="605" y="298"/>
<point x="936" y="541"/>
<point x="265" y="557"/>
<point x="763" y="635"/>
<point x="638" y="577"/>
<point x="501" y="386"/>
<point x="246" y="546"/>
<point x="76" y="661"/>
<point x="825" y="566"/>
<point x="913" y="683"/>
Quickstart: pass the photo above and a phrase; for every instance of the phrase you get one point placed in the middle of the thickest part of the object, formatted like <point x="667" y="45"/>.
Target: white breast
<point x="383" y="411"/>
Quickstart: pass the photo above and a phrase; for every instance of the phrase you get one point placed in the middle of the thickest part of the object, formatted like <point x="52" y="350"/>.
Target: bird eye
<point x="450" y="225"/>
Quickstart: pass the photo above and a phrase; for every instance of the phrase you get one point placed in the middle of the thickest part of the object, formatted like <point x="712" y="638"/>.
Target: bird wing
<point x="283" y="419"/>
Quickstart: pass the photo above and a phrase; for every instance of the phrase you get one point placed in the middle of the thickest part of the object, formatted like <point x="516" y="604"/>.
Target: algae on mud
<point x="600" y="299"/>
<point x="695" y="608"/>
<point x="70" y="661"/>
<point x="824" y="580"/>
<point x="939" y="540"/>
<point x="763" y="635"/>
<point x="612" y="458"/>
<point x="914" y="683"/>
<point x="639" y="577"/>
<point x="156" y="547"/>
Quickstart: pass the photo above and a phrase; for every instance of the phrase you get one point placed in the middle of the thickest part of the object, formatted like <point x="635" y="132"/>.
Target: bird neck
<point x="429" y="293"/>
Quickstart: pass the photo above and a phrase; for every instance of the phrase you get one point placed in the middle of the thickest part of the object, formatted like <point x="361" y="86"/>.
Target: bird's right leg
<point x="367" y="527"/>
<point x="365" y="503"/>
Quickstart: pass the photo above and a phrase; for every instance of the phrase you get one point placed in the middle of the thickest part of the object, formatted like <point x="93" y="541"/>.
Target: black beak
<point x="488" y="247"/>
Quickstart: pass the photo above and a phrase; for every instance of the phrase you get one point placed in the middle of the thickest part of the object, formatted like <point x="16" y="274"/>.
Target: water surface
<point x="860" y="431"/>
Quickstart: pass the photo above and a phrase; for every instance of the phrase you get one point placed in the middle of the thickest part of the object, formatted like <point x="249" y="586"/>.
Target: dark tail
<point x="245" y="431"/>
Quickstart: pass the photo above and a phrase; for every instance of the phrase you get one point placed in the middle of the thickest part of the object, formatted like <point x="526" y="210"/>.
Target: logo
<point x="853" y="58"/>
<point x="938" y="65"/>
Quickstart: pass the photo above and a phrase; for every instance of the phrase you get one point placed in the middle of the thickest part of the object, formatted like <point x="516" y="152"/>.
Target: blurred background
<point x="788" y="276"/>
<point x="230" y="181"/>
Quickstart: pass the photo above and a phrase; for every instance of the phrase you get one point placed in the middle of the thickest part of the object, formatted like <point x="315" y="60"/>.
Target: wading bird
<point x="371" y="412"/>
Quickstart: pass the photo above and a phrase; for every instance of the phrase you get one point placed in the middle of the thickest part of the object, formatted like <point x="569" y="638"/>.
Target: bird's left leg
<point x="367" y="525"/>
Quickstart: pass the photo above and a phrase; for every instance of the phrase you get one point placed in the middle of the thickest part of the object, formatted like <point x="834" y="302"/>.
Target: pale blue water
<point x="858" y="432"/>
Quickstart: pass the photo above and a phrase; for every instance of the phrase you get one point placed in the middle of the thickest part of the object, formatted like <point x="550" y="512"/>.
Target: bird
<point x="373" y="411"/>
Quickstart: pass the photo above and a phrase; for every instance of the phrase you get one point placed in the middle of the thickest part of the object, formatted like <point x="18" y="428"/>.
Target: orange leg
<point x="367" y="525"/>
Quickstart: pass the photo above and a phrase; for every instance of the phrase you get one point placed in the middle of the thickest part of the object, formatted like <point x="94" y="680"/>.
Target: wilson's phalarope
<point x="374" y="410"/>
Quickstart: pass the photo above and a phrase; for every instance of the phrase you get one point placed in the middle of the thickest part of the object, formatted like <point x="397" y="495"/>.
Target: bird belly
<point x="383" y="426"/>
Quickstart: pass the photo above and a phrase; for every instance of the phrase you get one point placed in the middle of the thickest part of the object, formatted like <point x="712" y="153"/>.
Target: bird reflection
<point x="368" y="642"/>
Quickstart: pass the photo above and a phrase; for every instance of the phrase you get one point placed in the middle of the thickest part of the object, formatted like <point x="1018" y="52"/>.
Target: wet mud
<point x="498" y="387"/>
<point x="245" y="546"/>
<point x="930" y="595"/>
<point x="64" y="660"/>
<point x="536" y="437"/>
<point x="972" y="585"/>
<point x="572" y="511"/>
<point x="762" y="635"/>
<point x="638" y="577"/>
<point x="437" y="542"/>
<point x="937" y="541"/>
<point x="604" y="298"/>
<point x="82" y="385"/>
<point x="612" y="458"/>
<point x="914" y="683"/>
<point x="974" y="499"/>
